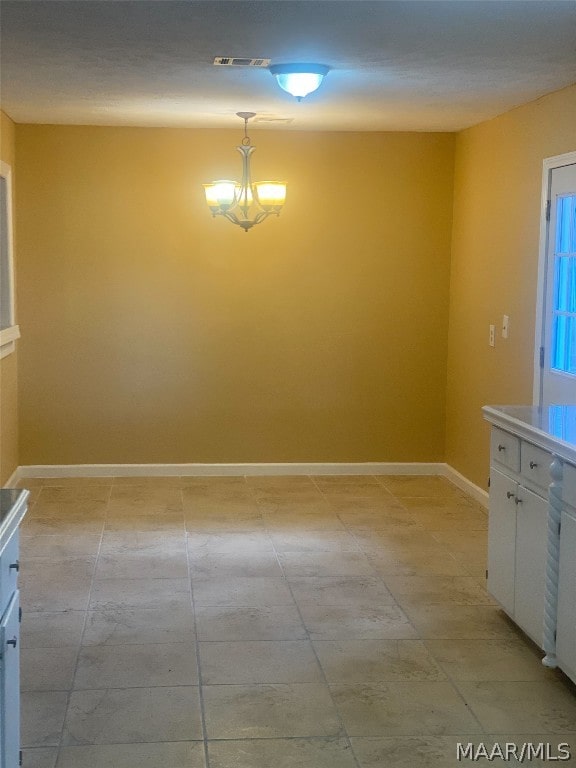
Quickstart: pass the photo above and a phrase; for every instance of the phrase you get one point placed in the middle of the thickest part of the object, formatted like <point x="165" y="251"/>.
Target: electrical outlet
<point x="492" y="336"/>
<point x="505" y="326"/>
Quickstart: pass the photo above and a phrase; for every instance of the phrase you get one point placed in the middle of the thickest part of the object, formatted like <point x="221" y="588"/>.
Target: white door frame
<point x="11" y="332"/>
<point x="548" y="165"/>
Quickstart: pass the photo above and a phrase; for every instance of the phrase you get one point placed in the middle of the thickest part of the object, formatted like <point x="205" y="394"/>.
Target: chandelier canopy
<point x="245" y="203"/>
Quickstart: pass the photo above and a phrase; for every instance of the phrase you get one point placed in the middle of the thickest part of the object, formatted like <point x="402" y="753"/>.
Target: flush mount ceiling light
<point x="245" y="203"/>
<point x="299" y="79"/>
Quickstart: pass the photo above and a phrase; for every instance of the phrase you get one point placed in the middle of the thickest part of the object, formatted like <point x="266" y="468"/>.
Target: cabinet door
<point x="531" y="548"/>
<point x="10" y="686"/>
<point x="566" y="628"/>
<point x="502" y="539"/>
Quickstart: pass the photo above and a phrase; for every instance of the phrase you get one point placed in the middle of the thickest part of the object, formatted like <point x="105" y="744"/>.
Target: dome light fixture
<point x="245" y="203"/>
<point x="299" y="79"/>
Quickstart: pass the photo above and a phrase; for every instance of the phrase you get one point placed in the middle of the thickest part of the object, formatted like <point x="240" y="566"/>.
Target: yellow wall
<point x="153" y="333"/>
<point x="8" y="365"/>
<point x="495" y="244"/>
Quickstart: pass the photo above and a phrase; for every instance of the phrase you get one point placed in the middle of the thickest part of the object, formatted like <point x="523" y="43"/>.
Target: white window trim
<point x="548" y="165"/>
<point x="7" y="338"/>
<point x="9" y="335"/>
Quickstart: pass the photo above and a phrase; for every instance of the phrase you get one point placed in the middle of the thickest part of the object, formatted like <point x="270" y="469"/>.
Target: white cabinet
<point x="530" y="582"/>
<point x="9" y="569"/>
<point x="10" y="684"/>
<point x="505" y="449"/>
<point x="517" y="550"/>
<point x="566" y="625"/>
<point x="12" y="510"/>
<point x="532" y="527"/>
<point x="502" y="540"/>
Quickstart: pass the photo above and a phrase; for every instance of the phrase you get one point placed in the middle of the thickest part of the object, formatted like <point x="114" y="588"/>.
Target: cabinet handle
<point x="501" y="447"/>
<point x="510" y="495"/>
<point x="12" y="642"/>
<point x="15" y="566"/>
<point x="533" y="465"/>
<point x="517" y="500"/>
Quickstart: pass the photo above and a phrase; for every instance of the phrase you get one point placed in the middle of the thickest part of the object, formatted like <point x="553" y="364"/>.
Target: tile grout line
<point x="70" y="692"/>
<point x="343" y="731"/>
<point x="455" y="688"/>
<point x="196" y="644"/>
<point x="378" y="576"/>
<point x="381" y="579"/>
<point x="395" y="602"/>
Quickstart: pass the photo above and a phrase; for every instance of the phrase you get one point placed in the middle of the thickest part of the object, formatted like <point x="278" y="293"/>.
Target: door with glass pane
<point x="559" y="342"/>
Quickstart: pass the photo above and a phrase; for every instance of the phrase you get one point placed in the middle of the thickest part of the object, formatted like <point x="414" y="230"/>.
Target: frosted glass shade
<point x="271" y="194"/>
<point x="299" y="84"/>
<point x="299" y="79"/>
<point x="220" y="194"/>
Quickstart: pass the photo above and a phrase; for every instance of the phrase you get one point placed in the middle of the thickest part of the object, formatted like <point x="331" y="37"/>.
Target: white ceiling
<point x="400" y="65"/>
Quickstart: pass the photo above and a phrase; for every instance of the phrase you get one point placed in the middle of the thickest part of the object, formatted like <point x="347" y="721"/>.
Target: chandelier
<point x="245" y="203"/>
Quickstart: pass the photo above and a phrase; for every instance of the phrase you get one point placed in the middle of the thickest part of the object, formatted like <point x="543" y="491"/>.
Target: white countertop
<point x="551" y="427"/>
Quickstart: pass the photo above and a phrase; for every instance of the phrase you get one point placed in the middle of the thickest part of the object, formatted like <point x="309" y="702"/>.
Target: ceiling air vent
<point x="234" y="61"/>
<point x="273" y="119"/>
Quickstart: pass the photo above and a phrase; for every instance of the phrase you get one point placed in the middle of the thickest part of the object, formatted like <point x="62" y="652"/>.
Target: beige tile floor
<point x="279" y="622"/>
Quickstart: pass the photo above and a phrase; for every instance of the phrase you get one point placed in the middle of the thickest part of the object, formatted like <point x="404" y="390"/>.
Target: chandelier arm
<point x="230" y="216"/>
<point x="261" y="215"/>
<point x="245" y="223"/>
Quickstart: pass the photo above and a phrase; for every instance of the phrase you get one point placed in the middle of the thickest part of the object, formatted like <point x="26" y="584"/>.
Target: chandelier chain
<point x="246" y="139"/>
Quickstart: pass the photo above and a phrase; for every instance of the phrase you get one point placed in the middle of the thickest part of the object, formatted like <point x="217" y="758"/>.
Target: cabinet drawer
<point x="8" y="570"/>
<point x="535" y="465"/>
<point x="569" y="485"/>
<point x="505" y="449"/>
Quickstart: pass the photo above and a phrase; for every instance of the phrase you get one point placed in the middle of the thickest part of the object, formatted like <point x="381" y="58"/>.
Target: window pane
<point x="563" y="422"/>
<point x="571" y="299"/>
<point x="563" y="356"/>
<point x="566" y="224"/>
<point x="565" y="284"/>
<point x="564" y="343"/>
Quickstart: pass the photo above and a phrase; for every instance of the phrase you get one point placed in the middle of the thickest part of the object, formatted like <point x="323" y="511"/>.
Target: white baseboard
<point x="455" y="477"/>
<point x="255" y="469"/>
<point x="228" y="470"/>
<point x="202" y="470"/>
<point x="13" y="479"/>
